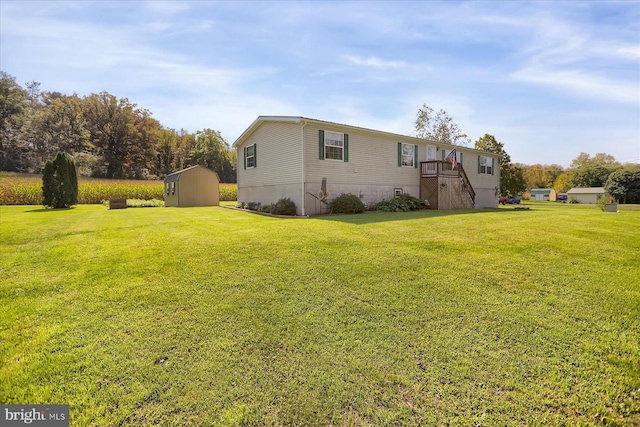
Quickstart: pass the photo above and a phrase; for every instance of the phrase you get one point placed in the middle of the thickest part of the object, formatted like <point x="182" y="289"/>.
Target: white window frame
<point x="486" y="165"/>
<point x="250" y="157"/>
<point x="408" y="157"/>
<point x="434" y="153"/>
<point x="335" y="141"/>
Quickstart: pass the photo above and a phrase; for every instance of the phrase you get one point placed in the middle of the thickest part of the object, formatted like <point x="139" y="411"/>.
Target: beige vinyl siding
<point x="278" y="171"/>
<point x="480" y="180"/>
<point x="372" y="171"/>
<point x="372" y="161"/>
<point x="278" y="160"/>
<point x="484" y="185"/>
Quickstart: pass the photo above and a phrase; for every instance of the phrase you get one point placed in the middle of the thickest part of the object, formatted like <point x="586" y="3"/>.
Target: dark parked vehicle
<point x="561" y="198"/>
<point x="511" y="200"/>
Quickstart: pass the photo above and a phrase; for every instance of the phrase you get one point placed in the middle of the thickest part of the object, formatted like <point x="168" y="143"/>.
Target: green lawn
<point x="211" y="316"/>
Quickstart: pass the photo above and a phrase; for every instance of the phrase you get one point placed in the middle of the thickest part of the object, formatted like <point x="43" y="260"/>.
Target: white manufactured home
<point x="310" y="160"/>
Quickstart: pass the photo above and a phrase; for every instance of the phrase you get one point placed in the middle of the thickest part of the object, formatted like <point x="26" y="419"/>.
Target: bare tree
<point x="438" y="126"/>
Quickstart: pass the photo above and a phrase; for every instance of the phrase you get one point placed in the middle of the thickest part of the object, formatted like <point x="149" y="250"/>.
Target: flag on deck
<point x="452" y="158"/>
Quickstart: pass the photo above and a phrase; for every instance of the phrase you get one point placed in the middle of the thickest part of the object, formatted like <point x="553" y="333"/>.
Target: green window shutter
<point x="255" y="156"/>
<point x="478" y="164"/>
<point x="244" y="156"/>
<point x="415" y="156"/>
<point x="460" y="156"/>
<point x="492" y="165"/>
<point x="444" y="155"/>
<point x="399" y="154"/>
<point x="346" y="147"/>
<point x="321" y="144"/>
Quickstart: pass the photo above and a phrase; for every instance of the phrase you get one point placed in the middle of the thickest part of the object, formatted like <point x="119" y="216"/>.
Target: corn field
<point x="24" y="189"/>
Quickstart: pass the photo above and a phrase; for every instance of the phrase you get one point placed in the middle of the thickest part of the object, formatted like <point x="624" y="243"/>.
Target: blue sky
<point x="548" y="79"/>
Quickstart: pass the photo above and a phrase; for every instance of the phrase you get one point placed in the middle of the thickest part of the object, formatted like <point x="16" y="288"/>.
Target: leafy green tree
<point x="186" y="144"/>
<point x="562" y="184"/>
<point x="62" y="126"/>
<point x="60" y="182"/>
<point x="593" y="171"/>
<point x="584" y="160"/>
<point x="624" y="185"/>
<point x="13" y="112"/>
<point x="212" y="151"/>
<point x="122" y="134"/>
<point x="591" y="176"/>
<point x="166" y="151"/>
<point x="439" y="127"/>
<point x="512" y="181"/>
<point x="511" y="178"/>
<point x="541" y="176"/>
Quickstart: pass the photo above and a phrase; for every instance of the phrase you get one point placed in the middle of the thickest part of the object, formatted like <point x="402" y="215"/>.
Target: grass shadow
<point x="379" y="216"/>
<point x="51" y="209"/>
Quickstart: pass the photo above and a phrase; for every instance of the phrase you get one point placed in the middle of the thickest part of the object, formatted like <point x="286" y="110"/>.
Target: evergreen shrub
<point x="60" y="182"/>
<point x="284" y="207"/>
<point x="403" y="203"/>
<point x="266" y="208"/>
<point x="347" y="203"/>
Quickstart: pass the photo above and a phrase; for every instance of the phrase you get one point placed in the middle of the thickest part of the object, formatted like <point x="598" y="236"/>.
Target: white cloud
<point x="582" y="84"/>
<point x="375" y="62"/>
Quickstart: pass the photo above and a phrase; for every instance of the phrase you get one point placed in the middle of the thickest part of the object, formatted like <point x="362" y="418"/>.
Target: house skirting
<point x="369" y="194"/>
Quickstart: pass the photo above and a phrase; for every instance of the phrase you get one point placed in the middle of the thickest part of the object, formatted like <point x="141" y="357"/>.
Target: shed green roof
<point x="540" y="190"/>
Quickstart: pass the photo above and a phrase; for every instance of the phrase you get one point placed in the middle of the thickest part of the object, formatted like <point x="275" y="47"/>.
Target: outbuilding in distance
<point x="193" y="186"/>
<point x="548" y="194"/>
<point x="586" y="195"/>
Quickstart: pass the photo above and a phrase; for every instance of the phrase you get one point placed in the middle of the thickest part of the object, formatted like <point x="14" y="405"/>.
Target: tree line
<point x="106" y="137"/>
<point x="621" y="181"/>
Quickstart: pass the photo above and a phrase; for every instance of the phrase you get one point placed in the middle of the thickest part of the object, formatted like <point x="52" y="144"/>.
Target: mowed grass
<point x="212" y="316"/>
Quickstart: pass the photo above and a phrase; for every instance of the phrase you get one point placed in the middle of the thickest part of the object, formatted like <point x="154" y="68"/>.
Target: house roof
<point x="586" y="190"/>
<point x="176" y="175"/>
<point x="299" y="119"/>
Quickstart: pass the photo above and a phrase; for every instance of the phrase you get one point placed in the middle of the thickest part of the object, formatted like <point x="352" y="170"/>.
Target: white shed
<point x="586" y="195"/>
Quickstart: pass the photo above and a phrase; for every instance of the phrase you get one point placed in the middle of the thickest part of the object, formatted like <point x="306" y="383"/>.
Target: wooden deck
<point x="444" y="186"/>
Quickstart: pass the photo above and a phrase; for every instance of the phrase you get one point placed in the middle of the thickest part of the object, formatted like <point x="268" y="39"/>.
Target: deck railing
<point x="435" y="168"/>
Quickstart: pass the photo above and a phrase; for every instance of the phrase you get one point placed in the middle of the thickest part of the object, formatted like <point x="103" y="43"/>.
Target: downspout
<point x="303" y="210"/>
<point x="237" y="173"/>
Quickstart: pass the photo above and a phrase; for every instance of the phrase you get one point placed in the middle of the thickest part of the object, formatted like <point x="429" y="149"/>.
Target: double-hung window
<point x="408" y="155"/>
<point x="250" y="156"/>
<point x="485" y="165"/>
<point x="333" y="145"/>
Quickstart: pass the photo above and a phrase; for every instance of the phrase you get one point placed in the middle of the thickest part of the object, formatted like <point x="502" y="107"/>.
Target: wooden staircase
<point x="445" y="187"/>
